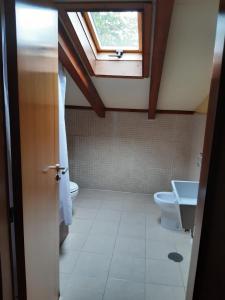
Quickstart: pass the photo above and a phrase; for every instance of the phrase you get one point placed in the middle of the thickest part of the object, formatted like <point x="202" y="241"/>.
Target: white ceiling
<point x="187" y="66"/>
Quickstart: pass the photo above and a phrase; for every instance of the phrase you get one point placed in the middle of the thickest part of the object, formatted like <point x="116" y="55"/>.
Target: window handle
<point x="119" y="54"/>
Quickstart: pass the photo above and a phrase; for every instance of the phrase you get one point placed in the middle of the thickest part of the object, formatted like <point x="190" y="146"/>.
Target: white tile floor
<point x="117" y="250"/>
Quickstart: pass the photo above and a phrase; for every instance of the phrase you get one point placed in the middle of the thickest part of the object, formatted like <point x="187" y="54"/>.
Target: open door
<point x="32" y="45"/>
<point x="37" y="54"/>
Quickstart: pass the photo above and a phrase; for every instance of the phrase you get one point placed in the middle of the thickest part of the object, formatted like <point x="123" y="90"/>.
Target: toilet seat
<point x="165" y="197"/>
<point x="73" y="187"/>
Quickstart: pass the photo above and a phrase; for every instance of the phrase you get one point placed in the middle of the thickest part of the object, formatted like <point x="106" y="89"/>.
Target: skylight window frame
<point x="94" y="35"/>
<point x="130" y="65"/>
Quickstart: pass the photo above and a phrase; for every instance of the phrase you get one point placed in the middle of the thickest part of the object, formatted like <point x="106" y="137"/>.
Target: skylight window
<point x="113" y="30"/>
<point x="112" y="38"/>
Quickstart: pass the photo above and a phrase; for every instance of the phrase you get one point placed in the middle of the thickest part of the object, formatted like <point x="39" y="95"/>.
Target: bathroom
<point x="107" y="133"/>
<point x="116" y="246"/>
<point x="119" y="163"/>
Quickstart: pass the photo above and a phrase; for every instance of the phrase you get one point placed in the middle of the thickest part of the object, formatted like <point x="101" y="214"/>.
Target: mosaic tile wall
<point x="128" y="152"/>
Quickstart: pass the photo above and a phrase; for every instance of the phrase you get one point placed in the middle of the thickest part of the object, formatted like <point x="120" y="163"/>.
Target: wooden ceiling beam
<point x="163" y="14"/>
<point x="72" y="63"/>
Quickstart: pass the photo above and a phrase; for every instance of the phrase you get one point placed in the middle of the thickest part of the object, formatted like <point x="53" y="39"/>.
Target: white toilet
<point x="74" y="191"/>
<point x="170" y="211"/>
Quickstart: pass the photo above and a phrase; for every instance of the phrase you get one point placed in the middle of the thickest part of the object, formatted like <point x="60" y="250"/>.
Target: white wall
<point x="187" y="68"/>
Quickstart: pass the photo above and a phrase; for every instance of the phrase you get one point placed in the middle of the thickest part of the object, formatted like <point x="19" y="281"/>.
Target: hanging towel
<point x="64" y="184"/>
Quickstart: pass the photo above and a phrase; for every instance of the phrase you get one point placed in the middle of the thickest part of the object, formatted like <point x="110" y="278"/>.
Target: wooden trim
<point x="91" y="30"/>
<point x="106" y="109"/>
<point x="87" y="33"/>
<point x="73" y="65"/>
<point x="14" y="150"/>
<point x="207" y="272"/>
<point x="103" y="6"/>
<point x="222" y="5"/>
<point x="147" y="39"/>
<point x="140" y="31"/>
<point x="163" y="17"/>
<point x="67" y="106"/>
<point x="79" y="40"/>
<point x="118" y="69"/>
<point x="178" y="112"/>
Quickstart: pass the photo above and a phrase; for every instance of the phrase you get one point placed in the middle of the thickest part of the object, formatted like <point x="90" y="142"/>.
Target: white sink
<point x="186" y="191"/>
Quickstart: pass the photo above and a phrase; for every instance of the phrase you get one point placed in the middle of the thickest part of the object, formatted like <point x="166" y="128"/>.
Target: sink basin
<point x="186" y="191"/>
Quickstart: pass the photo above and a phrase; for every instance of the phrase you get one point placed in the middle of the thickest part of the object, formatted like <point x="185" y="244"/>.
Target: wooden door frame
<point x="6" y="272"/>
<point x="12" y="147"/>
<point x="207" y="269"/>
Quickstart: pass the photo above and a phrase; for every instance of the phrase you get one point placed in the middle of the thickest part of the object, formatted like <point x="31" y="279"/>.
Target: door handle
<point x="64" y="171"/>
<point x="58" y="169"/>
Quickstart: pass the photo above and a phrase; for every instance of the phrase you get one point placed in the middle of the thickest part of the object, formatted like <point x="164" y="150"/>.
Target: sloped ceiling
<point x="187" y="66"/>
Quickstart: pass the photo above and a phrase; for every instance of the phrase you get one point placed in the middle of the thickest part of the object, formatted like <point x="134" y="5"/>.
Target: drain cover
<point x="175" y="256"/>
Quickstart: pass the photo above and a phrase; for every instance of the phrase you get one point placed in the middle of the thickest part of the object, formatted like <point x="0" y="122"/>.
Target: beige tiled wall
<point x="128" y="152"/>
<point x="199" y="122"/>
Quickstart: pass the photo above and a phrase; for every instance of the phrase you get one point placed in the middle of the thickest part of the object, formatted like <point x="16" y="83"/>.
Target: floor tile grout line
<point x="117" y="234"/>
<point x="89" y="231"/>
<point x="145" y="258"/>
<point x="80" y="251"/>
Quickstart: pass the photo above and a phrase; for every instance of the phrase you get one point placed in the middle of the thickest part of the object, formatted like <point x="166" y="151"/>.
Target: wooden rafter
<point x="163" y="14"/>
<point x="73" y="65"/>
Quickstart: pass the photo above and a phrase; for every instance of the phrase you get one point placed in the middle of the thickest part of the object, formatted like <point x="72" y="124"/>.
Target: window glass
<point x="116" y="30"/>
